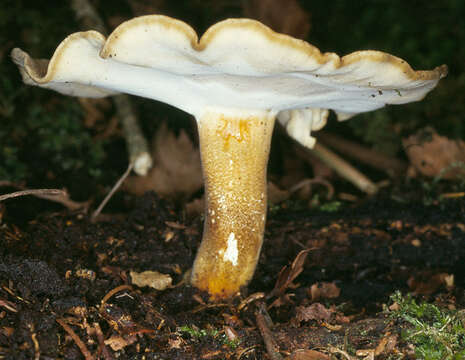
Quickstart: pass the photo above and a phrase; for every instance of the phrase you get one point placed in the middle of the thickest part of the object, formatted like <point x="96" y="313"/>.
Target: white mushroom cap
<point x="237" y="63"/>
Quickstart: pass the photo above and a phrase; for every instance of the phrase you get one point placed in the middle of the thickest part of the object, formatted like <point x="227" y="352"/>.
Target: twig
<point x="115" y="187"/>
<point x="101" y="340"/>
<point x="35" y="342"/>
<point x="310" y="182"/>
<point x="55" y="195"/>
<point x="272" y="348"/>
<point x="113" y="292"/>
<point x="250" y="299"/>
<point x="8" y="305"/>
<point x="36" y="192"/>
<point x="139" y="155"/>
<point x="344" y="169"/>
<point x="392" y="166"/>
<point x="85" y="352"/>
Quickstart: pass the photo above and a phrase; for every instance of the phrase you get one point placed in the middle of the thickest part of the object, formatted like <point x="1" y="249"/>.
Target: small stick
<point x="59" y="196"/>
<point x="344" y="169"/>
<point x="262" y="318"/>
<point x="8" y="305"/>
<point x="101" y="340"/>
<point x="35" y="342"/>
<point x="112" y="191"/>
<point x="139" y="155"/>
<point x="310" y="182"/>
<point x="36" y="192"/>
<point x="113" y="292"/>
<point x="85" y="352"/>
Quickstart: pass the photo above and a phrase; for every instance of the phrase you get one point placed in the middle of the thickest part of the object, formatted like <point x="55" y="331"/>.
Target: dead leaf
<point x="308" y="355"/>
<point x="117" y="342"/>
<point x="427" y="283"/>
<point x="324" y="290"/>
<point x="433" y="155"/>
<point x="7" y="331"/>
<point x="176" y="171"/>
<point x="153" y="279"/>
<point x="386" y="345"/>
<point x="368" y="354"/>
<point x="288" y="274"/>
<point x="175" y="343"/>
<point x="286" y="17"/>
<point x="315" y="311"/>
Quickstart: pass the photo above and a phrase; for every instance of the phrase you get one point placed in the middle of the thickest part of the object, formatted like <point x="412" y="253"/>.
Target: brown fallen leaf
<point x="433" y="155"/>
<point x="315" y="311"/>
<point x="367" y="354"/>
<point x="175" y="343"/>
<point x="427" y="283"/>
<point x="324" y="290"/>
<point x="288" y="274"/>
<point x="308" y="355"/>
<point x="387" y="344"/>
<point x="153" y="279"/>
<point x="117" y="342"/>
<point x="286" y="17"/>
<point x="176" y="171"/>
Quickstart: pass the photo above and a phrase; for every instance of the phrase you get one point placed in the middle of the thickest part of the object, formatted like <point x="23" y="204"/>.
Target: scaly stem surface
<point x="234" y="149"/>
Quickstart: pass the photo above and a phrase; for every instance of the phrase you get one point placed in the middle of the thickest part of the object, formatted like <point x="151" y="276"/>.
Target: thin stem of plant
<point x="344" y="169"/>
<point x="115" y="187"/>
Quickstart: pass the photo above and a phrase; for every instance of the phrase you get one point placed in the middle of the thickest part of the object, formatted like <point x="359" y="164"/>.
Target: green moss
<point x="219" y="336"/>
<point x="437" y="334"/>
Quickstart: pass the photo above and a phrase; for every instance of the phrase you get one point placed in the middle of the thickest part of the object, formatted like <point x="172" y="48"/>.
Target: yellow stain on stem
<point x="238" y="129"/>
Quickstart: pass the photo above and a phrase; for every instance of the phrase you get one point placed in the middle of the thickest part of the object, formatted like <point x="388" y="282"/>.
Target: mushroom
<point x="236" y="80"/>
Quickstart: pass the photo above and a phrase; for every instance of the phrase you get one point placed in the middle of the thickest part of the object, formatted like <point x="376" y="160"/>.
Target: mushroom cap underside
<point x="237" y="63"/>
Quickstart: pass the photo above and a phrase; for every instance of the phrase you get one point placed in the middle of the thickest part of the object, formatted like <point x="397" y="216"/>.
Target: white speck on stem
<point x="231" y="254"/>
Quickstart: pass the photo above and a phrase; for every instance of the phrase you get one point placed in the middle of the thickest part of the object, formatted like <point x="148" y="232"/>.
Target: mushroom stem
<point x="234" y="149"/>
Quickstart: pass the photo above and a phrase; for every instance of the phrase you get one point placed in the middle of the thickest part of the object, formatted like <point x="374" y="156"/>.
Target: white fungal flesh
<point x="299" y="123"/>
<point x="232" y="252"/>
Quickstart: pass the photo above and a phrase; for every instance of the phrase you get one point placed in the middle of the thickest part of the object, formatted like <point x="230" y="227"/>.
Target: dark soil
<point x="57" y="271"/>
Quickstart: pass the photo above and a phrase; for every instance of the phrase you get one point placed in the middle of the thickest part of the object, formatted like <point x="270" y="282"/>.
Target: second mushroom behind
<point x="235" y="80"/>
